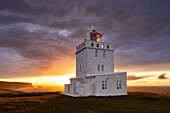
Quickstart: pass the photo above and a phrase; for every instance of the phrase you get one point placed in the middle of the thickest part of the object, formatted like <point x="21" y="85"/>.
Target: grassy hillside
<point x="55" y="103"/>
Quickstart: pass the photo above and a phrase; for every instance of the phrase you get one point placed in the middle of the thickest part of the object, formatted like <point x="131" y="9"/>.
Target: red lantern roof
<point x="94" y="31"/>
<point x="96" y="36"/>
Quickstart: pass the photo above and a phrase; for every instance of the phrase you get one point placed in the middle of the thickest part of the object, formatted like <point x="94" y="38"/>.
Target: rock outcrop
<point x="14" y="85"/>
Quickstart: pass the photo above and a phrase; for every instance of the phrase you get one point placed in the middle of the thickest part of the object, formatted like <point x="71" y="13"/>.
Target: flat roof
<point x="100" y="74"/>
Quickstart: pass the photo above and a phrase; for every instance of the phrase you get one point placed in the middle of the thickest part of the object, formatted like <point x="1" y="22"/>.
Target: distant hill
<point x="14" y="85"/>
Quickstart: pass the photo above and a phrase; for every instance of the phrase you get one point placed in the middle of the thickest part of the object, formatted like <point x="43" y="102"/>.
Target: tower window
<point x="96" y="53"/>
<point x="98" y="67"/>
<point x="104" y="84"/>
<point x="119" y="84"/>
<point x="107" y="46"/>
<point x="80" y="68"/>
<point x="102" y="45"/>
<point x="104" y="54"/>
<point x="102" y="67"/>
<point x="97" y="45"/>
<point x="91" y="44"/>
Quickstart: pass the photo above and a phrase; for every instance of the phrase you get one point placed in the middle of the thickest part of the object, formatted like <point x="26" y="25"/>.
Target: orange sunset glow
<point x="64" y="79"/>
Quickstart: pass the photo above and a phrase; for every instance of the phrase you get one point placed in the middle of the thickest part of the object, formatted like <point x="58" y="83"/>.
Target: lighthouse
<point x="95" y="74"/>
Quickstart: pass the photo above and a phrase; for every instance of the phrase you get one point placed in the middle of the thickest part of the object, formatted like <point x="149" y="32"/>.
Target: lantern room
<point x="95" y="36"/>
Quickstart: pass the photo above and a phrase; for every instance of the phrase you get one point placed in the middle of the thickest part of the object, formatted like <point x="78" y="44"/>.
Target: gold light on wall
<point x="99" y="38"/>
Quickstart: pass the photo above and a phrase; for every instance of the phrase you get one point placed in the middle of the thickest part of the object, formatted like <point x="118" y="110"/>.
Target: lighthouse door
<point x="93" y="89"/>
<point x="77" y="87"/>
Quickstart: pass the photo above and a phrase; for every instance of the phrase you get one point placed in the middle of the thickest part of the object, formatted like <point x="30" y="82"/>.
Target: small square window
<point x="104" y="84"/>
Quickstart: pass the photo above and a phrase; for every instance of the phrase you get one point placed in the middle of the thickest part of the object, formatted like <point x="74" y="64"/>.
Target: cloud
<point x="162" y="76"/>
<point x="134" y="77"/>
<point x="37" y="44"/>
<point x="44" y="32"/>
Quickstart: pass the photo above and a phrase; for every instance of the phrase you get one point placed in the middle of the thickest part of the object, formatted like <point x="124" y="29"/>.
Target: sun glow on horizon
<point x="50" y="80"/>
<point x="152" y="80"/>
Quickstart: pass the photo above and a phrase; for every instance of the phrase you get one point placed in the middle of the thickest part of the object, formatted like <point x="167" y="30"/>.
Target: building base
<point x="113" y="84"/>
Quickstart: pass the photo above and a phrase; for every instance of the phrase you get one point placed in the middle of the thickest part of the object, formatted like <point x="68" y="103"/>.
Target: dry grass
<point x="2" y="91"/>
<point x="56" y="103"/>
<point x="18" y="102"/>
<point x="40" y="99"/>
<point x="132" y="103"/>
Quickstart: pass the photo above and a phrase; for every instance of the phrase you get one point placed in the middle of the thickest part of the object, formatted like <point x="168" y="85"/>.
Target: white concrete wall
<point x="81" y="59"/>
<point x="111" y="85"/>
<point x="81" y="90"/>
<point x="86" y="90"/>
<point x="88" y="44"/>
<point x="67" y="88"/>
<point x="93" y="85"/>
<point x="87" y="37"/>
<point x="92" y="61"/>
<point x="73" y="86"/>
<point x="85" y="56"/>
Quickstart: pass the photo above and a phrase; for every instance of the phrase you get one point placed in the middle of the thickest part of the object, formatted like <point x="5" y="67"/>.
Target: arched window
<point x="102" y="45"/>
<point x="96" y="53"/>
<point x="104" y="54"/>
<point x="107" y="46"/>
<point x="91" y="44"/>
<point x="97" y="45"/>
<point x="102" y="67"/>
<point x="98" y="67"/>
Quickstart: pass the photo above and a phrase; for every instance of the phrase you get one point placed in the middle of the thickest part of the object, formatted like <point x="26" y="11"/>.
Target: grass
<point x="19" y="102"/>
<point x="53" y="102"/>
<point x="133" y="103"/>
<point x="4" y="91"/>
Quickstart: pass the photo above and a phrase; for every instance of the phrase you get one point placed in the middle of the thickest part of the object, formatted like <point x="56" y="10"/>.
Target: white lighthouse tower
<point x="95" y="69"/>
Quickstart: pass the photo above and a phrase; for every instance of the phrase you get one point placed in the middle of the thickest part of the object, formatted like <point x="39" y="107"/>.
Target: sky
<point x="38" y="38"/>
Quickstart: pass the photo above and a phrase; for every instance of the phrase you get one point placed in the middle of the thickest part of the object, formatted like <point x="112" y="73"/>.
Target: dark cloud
<point x="162" y="76"/>
<point x="13" y="19"/>
<point x="134" y="77"/>
<point x="22" y="7"/>
<point x="43" y="32"/>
